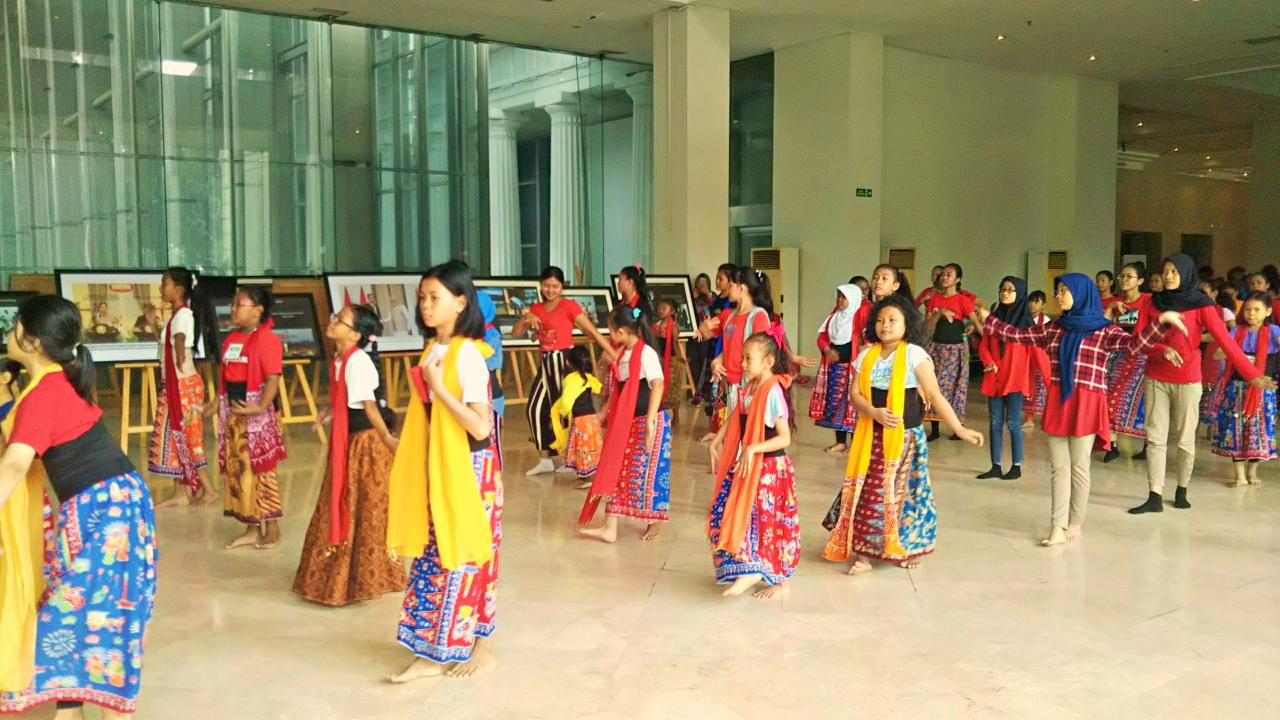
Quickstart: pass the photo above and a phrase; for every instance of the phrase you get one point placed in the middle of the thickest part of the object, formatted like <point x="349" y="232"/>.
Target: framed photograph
<point x="9" y="302"/>
<point x="596" y="302"/>
<point x="295" y="319"/>
<point x="122" y="311"/>
<point x="679" y="290"/>
<point x="393" y="295"/>
<point x="512" y="296"/>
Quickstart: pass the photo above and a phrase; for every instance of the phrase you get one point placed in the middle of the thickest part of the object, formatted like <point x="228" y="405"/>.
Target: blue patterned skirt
<point x="829" y="407"/>
<point x="644" y="489"/>
<point x="1245" y="437"/>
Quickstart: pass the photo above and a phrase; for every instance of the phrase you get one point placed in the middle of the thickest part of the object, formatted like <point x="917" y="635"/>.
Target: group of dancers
<point x="79" y="583"/>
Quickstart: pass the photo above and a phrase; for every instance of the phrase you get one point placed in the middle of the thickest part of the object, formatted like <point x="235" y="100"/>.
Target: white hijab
<point x="839" y="324"/>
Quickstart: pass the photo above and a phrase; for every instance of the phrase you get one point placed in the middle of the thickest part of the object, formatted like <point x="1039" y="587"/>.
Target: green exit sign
<point x="863" y="192"/>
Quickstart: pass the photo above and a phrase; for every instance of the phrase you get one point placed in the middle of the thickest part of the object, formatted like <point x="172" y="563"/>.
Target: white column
<point x="642" y="164"/>
<point x="568" y="191"/>
<point x="504" y="198"/>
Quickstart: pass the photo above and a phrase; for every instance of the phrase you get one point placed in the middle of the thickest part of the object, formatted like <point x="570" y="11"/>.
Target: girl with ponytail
<point x="105" y="525"/>
<point x="344" y="558"/>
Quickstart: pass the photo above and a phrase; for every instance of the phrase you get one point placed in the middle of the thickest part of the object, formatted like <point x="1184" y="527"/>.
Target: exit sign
<point x="863" y="192"/>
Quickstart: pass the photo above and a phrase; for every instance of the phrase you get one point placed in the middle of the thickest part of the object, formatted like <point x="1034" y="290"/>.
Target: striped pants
<point x="545" y="392"/>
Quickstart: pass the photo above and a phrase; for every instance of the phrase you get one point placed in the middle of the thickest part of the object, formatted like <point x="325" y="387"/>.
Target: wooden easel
<point x="395" y="377"/>
<point x="512" y="362"/>
<point x="146" y="401"/>
<point x="301" y="382"/>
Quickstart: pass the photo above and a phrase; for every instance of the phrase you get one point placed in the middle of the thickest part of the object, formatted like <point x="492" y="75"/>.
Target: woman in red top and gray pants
<point x="1173" y="379"/>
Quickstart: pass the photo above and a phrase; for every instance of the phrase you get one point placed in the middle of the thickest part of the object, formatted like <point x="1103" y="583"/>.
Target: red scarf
<point x="618" y="428"/>
<point x="339" y="518"/>
<point x="1253" y="397"/>
<point x="172" y="397"/>
<point x="742" y="493"/>
<point x="667" y="334"/>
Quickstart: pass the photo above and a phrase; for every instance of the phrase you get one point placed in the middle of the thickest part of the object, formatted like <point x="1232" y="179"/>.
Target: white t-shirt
<point x="774" y="410"/>
<point x="650" y="364"/>
<point x="882" y="369"/>
<point x="362" y="379"/>
<point x="182" y="323"/>
<point x="472" y="373"/>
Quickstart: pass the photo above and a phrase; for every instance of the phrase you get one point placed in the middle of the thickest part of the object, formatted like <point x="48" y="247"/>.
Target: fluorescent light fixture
<point x="178" y="67"/>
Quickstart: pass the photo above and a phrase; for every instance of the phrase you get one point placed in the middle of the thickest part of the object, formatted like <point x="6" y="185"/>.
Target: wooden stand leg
<point x="126" y="401"/>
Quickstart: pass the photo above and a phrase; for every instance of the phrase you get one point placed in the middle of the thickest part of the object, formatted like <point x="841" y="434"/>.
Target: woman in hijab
<point x="1174" y="378"/>
<point x="837" y="341"/>
<point x="1008" y="376"/>
<point x="1078" y="343"/>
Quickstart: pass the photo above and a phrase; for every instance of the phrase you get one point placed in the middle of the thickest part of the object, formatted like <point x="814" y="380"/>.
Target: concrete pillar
<point x="504" y="198"/>
<point x="568" y="191"/>
<point x="641" y="92"/>
<point x="1264" y="194"/>
<point x="690" y="139"/>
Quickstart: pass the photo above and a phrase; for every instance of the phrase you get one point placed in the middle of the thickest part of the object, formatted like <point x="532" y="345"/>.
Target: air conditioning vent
<point x="766" y="258"/>
<point x="902" y="258"/>
<point x="1265" y="40"/>
<point x="1057" y="260"/>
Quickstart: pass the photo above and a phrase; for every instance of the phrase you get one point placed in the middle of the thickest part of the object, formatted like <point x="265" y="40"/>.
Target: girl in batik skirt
<point x="838" y="341"/>
<point x="634" y="475"/>
<point x="452" y="523"/>
<point x="946" y="311"/>
<point x="753" y="526"/>
<point x="1127" y="372"/>
<point x="1040" y="391"/>
<point x="752" y="313"/>
<point x="1246" y="422"/>
<point x="577" y="425"/>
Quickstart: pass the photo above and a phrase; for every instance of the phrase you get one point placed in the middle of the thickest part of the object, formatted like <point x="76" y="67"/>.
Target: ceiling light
<point x="1139" y="123"/>
<point x="1206" y="157"/>
<point x="1092" y="58"/>
<point x="1175" y="149"/>
<point x="181" y="68"/>
<point x="999" y="36"/>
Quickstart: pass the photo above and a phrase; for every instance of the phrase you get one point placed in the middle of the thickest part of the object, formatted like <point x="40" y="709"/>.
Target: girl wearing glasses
<point x="1127" y="372"/>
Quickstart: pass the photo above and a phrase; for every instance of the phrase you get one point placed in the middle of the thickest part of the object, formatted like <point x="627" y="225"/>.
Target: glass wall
<point x="136" y="133"/>
<point x="750" y="156"/>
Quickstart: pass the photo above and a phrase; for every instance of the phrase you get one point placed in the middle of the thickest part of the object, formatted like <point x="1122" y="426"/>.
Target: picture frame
<point x="294" y="322"/>
<point x="107" y="299"/>
<point x="678" y="289"/>
<point x="596" y="302"/>
<point x="9" y="302"/>
<point x="395" y="297"/>
<point x="511" y="296"/>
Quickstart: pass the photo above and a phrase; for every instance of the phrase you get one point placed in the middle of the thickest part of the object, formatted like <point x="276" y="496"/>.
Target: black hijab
<point x="1188" y="296"/>
<point x="1019" y="313"/>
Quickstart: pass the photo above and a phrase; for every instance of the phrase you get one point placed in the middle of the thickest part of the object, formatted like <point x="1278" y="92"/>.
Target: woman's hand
<point x="1173" y="318"/>
<point x="717" y="368"/>
<point x="533" y="321"/>
<point x="713" y="451"/>
<point x="992" y="368"/>
<point x="886" y="418"/>
<point x="804" y="361"/>
<point x="433" y="373"/>
<point x="831" y="355"/>
<point x="208" y="410"/>
<point x="950" y="315"/>
<point x="324" y="418"/>
<point x="744" y="461"/>
<point x="973" y="437"/>
<point x="391" y="441"/>
<point x="1266" y="382"/>
<point x="983" y="314"/>
<point x="1173" y="357"/>
<point x="245" y="409"/>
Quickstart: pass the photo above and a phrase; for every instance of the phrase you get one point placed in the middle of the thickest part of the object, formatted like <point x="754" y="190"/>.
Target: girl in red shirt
<point x="946" y="311"/>
<point x="1174" y="376"/>
<point x="1009" y="370"/>
<point x="552" y="321"/>
<point x="1127" y="372"/>
<point x="250" y="441"/>
<point x="752" y="293"/>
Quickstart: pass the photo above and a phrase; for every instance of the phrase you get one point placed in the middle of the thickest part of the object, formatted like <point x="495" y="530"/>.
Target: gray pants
<point x="1173" y="412"/>
<point x="1069" y="459"/>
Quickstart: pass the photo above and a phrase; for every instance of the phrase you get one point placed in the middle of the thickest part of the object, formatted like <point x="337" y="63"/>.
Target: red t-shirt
<point x="735" y="334"/>
<point x="1199" y="321"/>
<point x="945" y="331"/>
<point x="268" y="352"/>
<point x="557" y="324"/>
<point x="53" y="414"/>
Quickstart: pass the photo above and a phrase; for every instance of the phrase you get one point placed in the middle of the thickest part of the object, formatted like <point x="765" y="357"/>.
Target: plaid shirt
<point x="1091" y="363"/>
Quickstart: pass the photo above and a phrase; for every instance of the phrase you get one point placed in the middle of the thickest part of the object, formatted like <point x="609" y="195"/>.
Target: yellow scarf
<point x="432" y="482"/>
<point x="840" y="546"/>
<point x="22" y="564"/>
<point x="562" y="411"/>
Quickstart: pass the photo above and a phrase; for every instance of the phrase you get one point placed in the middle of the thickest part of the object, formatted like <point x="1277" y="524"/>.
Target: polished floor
<point x="1170" y="615"/>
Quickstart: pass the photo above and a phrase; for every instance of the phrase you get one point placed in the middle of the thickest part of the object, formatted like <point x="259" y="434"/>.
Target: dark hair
<point x="626" y="318"/>
<point x="14" y="368"/>
<point x="551" y="271"/>
<point x="915" y="322"/>
<point x="781" y="364"/>
<point x="728" y="269"/>
<point x="904" y="285"/>
<point x="1272" y="275"/>
<point x="757" y="283"/>
<point x="1206" y="271"/>
<point x="260" y="295"/>
<point x="854" y="280"/>
<point x="455" y="275"/>
<point x="1224" y="298"/>
<point x="937" y="267"/>
<point x="1037" y="296"/>
<point x="636" y="275"/>
<point x="668" y="302"/>
<point x="1262" y="275"/>
<point x="1235" y="274"/>
<point x="1111" y="277"/>
<point x="702" y="276"/>
<point x="201" y="305"/>
<point x="956" y="266"/>
<point x="1268" y="301"/>
<point x="1138" y="267"/>
<point x="55" y="322"/>
<point x="578" y="359"/>
<point x="367" y="323"/>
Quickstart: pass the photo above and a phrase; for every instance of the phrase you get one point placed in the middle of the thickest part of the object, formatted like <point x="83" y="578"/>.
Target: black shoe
<point x="933" y="436"/>
<point x="994" y="472"/>
<point x="1112" y="454"/>
<point x="1180" y="499"/>
<point x="1154" y="503"/>
<point x="1142" y="455"/>
<point x="1014" y="473"/>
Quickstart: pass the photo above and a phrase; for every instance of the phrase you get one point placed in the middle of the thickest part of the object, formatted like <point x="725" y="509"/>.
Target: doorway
<point x="1140" y="246"/>
<point x="747" y="238"/>
<point x="1199" y="247"/>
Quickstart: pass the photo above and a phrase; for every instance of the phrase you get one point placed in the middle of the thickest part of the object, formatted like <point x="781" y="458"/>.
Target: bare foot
<point x="1056" y="537"/>
<point x="1238" y="482"/>
<point x="859" y="566"/>
<point x="270" y="539"/>
<point x="1074" y="532"/>
<point x="707" y="438"/>
<point x="836" y="449"/>
<point x="204" y="497"/>
<point x="417" y="670"/>
<point x="652" y="532"/>
<point x="740" y="585"/>
<point x="782" y="589"/>
<point x="482" y="658"/>
<point x="1255" y="481"/>
<point x="583" y="485"/>
<point x="249" y="537"/>
<point x="177" y="499"/>
<point x="912" y="564"/>
<point x="605" y="533"/>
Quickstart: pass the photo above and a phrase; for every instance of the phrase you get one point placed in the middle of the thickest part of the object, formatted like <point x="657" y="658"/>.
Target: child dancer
<point x="886" y="509"/>
<point x="666" y="335"/>
<point x="753" y="526"/>
<point x="1127" y="372"/>
<point x="493" y="338"/>
<point x="577" y="427"/>
<point x="344" y="558"/>
<point x="177" y="438"/>
<point x="1008" y="370"/>
<point x="71" y="631"/>
<point x="838" y="341"/>
<point x="1246" y="422"/>
<point x="709" y="332"/>
<point x="633" y="290"/>
<point x="1174" y="376"/>
<point x="452" y="523"/>
<point x="1078" y="344"/>
<point x="1034" y="407"/>
<point x="634" y="474"/>
<point x="946" y="311"/>
<point x="250" y="441"/>
<point x="753" y="314"/>
<point x="1104" y="280"/>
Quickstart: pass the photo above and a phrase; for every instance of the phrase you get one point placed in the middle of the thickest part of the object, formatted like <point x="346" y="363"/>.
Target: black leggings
<point x="842" y="437"/>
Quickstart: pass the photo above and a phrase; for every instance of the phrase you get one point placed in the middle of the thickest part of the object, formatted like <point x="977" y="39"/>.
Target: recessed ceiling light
<point x="999" y="36"/>
<point x="1175" y="149"/>
<point x="1139" y="123"/>
<point x="1092" y="58"/>
<point x="1206" y="157"/>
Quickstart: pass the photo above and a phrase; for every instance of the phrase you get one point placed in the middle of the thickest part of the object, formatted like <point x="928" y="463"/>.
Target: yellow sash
<point x="22" y="563"/>
<point x="432" y="482"/>
<point x="840" y="547"/>
<point x="562" y="411"/>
